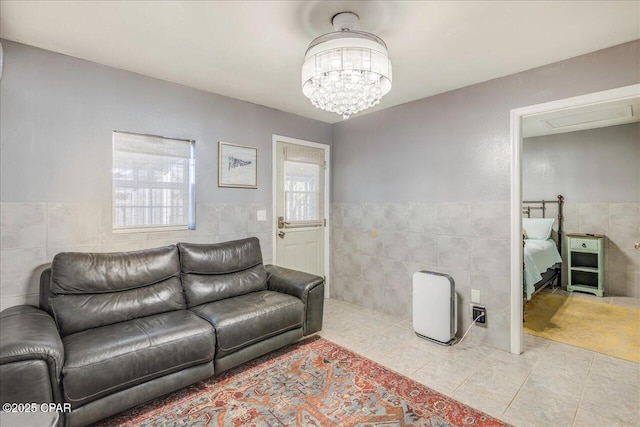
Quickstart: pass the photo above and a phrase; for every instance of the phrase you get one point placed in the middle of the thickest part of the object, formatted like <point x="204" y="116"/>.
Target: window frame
<point x="191" y="205"/>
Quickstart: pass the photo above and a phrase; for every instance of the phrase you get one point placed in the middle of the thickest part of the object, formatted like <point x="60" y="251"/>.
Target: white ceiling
<point x="253" y="50"/>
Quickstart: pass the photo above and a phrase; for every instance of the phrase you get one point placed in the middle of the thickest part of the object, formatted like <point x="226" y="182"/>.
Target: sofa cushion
<point x="105" y="360"/>
<point x="90" y="290"/>
<point x="220" y="258"/>
<point x="81" y="273"/>
<point x="214" y="272"/>
<point x="247" y="319"/>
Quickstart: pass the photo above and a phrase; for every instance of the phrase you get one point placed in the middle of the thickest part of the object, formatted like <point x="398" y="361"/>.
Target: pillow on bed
<point x="538" y="228"/>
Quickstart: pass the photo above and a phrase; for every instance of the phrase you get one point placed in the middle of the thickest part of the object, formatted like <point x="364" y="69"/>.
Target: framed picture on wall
<point x="237" y="165"/>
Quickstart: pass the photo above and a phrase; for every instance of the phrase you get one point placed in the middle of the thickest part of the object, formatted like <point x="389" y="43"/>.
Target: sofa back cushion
<point x="217" y="271"/>
<point x="88" y="290"/>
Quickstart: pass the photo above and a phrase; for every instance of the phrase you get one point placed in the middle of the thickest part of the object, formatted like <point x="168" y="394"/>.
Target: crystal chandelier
<point x="346" y="71"/>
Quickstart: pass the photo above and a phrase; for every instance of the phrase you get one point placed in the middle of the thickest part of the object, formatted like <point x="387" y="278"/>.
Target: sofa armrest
<point x="31" y="356"/>
<point x="308" y="287"/>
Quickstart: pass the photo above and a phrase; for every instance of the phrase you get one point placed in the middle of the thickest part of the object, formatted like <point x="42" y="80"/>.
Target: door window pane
<point x="302" y="192"/>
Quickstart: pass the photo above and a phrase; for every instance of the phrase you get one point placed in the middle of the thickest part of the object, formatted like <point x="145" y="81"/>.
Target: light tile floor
<point x="550" y="384"/>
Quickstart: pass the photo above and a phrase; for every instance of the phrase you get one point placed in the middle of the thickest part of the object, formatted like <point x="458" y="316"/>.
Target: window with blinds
<point x="302" y="186"/>
<point x="153" y="183"/>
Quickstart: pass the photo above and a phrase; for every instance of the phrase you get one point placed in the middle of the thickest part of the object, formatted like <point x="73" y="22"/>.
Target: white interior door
<point x="300" y="207"/>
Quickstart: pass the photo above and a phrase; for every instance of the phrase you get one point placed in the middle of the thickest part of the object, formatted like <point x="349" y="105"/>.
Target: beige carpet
<point x="601" y="327"/>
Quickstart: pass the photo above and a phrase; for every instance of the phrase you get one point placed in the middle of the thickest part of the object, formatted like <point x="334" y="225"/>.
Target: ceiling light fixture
<point x="346" y="71"/>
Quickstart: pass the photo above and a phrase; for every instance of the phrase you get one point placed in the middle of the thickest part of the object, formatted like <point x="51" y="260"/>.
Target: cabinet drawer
<point x="588" y="244"/>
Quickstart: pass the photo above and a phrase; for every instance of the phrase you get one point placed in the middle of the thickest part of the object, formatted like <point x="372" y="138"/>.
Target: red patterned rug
<point x="311" y="383"/>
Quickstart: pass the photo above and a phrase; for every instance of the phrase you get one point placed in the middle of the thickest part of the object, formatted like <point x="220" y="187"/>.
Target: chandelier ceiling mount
<point x="346" y="71"/>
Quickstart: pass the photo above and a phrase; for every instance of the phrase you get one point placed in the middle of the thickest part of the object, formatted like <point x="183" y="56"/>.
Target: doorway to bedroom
<point x="576" y="222"/>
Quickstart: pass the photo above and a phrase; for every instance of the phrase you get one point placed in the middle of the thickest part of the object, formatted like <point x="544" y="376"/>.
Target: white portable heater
<point x="435" y="307"/>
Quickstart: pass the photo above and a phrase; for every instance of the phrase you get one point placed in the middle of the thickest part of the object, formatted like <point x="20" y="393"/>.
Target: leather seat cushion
<point x="104" y="360"/>
<point x="246" y="319"/>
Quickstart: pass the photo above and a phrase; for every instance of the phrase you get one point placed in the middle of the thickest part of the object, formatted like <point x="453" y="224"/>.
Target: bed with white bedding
<point x="542" y="259"/>
<point x="539" y="256"/>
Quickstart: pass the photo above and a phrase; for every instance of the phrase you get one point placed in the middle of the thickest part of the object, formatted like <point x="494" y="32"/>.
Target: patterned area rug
<point x="312" y="383"/>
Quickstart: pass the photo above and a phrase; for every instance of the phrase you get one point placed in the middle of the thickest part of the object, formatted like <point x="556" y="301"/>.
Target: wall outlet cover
<point x="475" y="296"/>
<point x="476" y="311"/>
<point x="261" y="215"/>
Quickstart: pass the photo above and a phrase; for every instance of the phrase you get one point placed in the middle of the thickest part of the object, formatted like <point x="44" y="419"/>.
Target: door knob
<point x="281" y="222"/>
<point x="281" y="234"/>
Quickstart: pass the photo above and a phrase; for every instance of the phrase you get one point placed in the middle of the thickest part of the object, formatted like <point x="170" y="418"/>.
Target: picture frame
<point x="237" y="165"/>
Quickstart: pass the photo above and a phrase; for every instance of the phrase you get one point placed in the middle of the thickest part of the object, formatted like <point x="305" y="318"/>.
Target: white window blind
<point x="302" y="186"/>
<point x="153" y="182"/>
<point x="304" y="155"/>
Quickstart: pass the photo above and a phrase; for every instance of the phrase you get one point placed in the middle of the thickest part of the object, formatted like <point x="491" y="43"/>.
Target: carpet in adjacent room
<point x="601" y="327"/>
<point x="312" y="383"/>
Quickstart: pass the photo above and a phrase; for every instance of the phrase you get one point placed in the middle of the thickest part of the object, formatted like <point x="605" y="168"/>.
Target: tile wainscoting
<point x="469" y="241"/>
<point x="376" y="248"/>
<point x="32" y="233"/>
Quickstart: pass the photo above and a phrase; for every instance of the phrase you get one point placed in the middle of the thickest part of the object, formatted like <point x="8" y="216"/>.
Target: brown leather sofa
<point x="116" y="330"/>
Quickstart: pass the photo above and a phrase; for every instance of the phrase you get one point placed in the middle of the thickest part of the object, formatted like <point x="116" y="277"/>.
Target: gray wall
<point x="597" y="165"/>
<point x="432" y="175"/>
<point x="455" y="146"/>
<point x="58" y="113"/>
<point x="56" y="118"/>
<point x="598" y="172"/>
<point x="449" y="157"/>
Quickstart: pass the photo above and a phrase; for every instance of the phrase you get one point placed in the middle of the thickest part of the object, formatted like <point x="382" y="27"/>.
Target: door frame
<point x="327" y="188"/>
<point x="517" y="115"/>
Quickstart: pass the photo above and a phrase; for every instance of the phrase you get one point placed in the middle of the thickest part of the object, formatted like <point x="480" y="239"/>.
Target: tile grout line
<point x="421" y="366"/>
<point x="46" y="227"/>
<point x="524" y="382"/>
<point x="584" y="387"/>
<point x="400" y="323"/>
<point x="469" y="377"/>
<point x="464" y="381"/>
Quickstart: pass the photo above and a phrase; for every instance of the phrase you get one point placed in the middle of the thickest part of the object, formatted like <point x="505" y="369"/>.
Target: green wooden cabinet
<point x="585" y="263"/>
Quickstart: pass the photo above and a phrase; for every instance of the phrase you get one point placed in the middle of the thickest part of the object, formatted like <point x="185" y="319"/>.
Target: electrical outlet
<point x="476" y="312"/>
